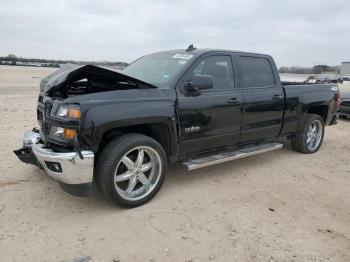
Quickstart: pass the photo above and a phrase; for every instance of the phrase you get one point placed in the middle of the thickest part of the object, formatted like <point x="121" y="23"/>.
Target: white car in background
<point x="346" y="79"/>
<point x="311" y="79"/>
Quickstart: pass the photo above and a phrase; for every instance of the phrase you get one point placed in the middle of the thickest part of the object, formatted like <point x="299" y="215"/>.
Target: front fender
<point x="106" y="117"/>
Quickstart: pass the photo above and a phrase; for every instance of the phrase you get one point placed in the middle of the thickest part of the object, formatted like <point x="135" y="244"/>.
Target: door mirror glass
<point x="199" y="82"/>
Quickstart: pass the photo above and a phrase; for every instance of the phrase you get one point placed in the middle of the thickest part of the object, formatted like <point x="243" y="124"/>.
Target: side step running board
<point x="228" y="156"/>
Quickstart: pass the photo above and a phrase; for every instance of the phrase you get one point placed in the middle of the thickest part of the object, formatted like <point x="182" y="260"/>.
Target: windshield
<point x="157" y="69"/>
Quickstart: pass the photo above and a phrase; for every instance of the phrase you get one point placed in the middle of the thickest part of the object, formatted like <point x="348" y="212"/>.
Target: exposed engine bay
<point x="74" y="80"/>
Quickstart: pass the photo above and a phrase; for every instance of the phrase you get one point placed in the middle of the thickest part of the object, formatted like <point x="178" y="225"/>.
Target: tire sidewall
<point x="310" y="118"/>
<point x="117" y="148"/>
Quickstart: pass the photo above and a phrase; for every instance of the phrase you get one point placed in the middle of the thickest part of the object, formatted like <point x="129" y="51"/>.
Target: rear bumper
<point x="67" y="168"/>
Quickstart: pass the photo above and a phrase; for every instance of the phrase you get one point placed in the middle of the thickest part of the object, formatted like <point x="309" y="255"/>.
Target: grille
<point x="48" y="107"/>
<point x="40" y="99"/>
<point x="45" y="128"/>
<point x="40" y="116"/>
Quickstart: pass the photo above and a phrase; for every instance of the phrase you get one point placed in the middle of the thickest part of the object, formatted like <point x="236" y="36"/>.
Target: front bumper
<point x="73" y="172"/>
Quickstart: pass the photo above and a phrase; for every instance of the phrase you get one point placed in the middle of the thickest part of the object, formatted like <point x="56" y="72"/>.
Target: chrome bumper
<point x="74" y="170"/>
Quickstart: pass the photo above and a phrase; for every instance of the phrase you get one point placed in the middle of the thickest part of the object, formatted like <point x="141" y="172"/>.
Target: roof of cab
<point x="200" y="51"/>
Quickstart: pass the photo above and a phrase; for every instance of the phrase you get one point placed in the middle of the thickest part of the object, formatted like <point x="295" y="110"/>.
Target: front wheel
<point x="310" y="138"/>
<point x="131" y="169"/>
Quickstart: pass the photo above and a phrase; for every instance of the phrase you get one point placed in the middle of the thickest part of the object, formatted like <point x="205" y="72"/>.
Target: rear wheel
<point x="310" y="138"/>
<point x="131" y="169"/>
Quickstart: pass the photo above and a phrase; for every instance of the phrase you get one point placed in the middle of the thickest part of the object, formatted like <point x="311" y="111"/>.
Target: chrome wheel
<point x="137" y="173"/>
<point x="314" y="135"/>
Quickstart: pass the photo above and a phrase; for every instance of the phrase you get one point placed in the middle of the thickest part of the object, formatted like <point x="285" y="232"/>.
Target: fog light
<point x="54" y="166"/>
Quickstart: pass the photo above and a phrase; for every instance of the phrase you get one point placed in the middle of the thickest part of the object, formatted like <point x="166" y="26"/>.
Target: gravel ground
<point x="278" y="206"/>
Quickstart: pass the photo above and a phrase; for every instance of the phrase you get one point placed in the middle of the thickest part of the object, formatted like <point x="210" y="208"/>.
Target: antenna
<point x="190" y="48"/>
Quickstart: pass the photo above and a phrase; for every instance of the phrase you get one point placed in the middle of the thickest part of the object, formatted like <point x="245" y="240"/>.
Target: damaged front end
<point x="59" y="120"/>
<point x="25" y="154"/>
<point x="74" y="173"/>
<point x="56" y="146"/>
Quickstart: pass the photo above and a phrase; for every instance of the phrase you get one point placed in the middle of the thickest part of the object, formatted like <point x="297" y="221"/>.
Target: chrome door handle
<point x="277" y="97"/>
<point x="233" y="100"/>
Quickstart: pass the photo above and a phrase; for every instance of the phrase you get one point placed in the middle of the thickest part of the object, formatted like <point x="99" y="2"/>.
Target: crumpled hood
<point x="70" y="73"/>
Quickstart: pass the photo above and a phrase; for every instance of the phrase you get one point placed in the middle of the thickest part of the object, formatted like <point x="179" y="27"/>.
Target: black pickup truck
<point x="200" y="107"/>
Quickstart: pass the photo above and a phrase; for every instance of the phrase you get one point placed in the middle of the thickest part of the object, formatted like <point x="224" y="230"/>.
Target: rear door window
<point x="255" y="72"/>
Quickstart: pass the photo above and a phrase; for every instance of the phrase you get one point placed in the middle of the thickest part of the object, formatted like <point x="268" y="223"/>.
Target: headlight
<point x="57" y="132"/>
<point x="67" y="111"/>
<point x="62" y="133"/>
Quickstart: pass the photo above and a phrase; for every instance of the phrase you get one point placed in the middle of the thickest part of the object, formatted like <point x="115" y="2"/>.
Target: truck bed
<point x="289" y="85"/>
<point x="286" y="83"/>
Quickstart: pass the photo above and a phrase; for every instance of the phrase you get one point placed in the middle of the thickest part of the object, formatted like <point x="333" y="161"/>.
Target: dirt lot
<point x="278" y="206"/>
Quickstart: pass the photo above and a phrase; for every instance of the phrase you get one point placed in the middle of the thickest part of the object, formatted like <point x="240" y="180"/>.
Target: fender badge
<point x="192" y="129"/>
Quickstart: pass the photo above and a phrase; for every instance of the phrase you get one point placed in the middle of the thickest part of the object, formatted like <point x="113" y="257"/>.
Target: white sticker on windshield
<point x="182" y="56"/>
<point x="334" y="88"/>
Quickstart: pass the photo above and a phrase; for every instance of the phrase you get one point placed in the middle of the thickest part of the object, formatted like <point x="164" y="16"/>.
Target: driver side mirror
<point x="199" y="82"/>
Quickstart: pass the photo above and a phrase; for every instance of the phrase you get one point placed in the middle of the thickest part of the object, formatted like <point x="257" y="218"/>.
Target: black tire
<point x="110" y="158"/>
<point x="299" y="142"/>
<point x="342" y="116"/>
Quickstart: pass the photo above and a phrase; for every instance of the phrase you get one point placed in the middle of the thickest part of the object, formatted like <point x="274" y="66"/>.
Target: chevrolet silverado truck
<point x="121" y="129"/>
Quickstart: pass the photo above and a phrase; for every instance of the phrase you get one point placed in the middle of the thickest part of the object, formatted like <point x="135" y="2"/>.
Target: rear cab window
<point x="255" y="72"/>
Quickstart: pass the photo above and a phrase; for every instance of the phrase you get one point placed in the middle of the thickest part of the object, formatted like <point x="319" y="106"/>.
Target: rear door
<point x="263" y="98"/>
<point x="211" y="118"/>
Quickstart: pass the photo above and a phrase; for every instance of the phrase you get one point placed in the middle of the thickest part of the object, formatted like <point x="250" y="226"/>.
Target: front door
<point x="211" y="118"/>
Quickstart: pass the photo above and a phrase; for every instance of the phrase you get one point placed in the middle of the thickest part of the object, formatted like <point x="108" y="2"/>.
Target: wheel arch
<point x="161" y="132"/>
<point x="321" y="110"/>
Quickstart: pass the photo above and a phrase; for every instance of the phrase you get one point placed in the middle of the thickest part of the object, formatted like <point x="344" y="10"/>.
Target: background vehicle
<point x="346" y="79"/>
<point x="344" y="110"/>
<point x="197" y="106"/>
<point x="311" y="80"/>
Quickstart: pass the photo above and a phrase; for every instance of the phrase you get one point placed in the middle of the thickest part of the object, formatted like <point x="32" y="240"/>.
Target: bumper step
<point x="231" y="155"/>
